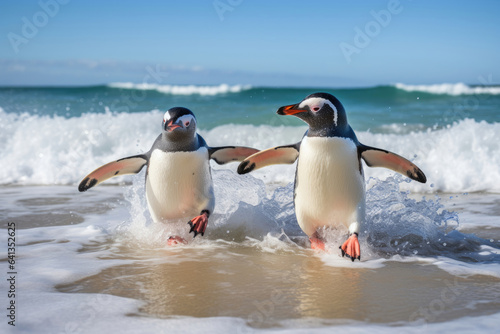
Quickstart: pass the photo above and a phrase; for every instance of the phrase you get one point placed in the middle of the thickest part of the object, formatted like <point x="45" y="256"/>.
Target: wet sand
<point x="267" y="289"/>
<point x="271" y="282"/>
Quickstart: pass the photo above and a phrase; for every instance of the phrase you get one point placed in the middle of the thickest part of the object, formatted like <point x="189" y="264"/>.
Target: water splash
<point x="396" y="224"/>
<point x="399" y="224"/>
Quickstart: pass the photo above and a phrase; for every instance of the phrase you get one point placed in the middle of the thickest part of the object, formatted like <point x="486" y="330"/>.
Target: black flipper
<point x="277" y="155"/>
<point x="129" y="165"/>
<point x="225" y="154"/>
<point x="375" y="157"/>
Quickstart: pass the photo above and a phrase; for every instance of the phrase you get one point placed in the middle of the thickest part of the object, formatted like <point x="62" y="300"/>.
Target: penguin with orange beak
<point x="329" y="180"/>
<point x="178" y="176"/>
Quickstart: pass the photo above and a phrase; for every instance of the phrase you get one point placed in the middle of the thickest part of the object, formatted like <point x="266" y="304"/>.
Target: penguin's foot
<point x="176" y="240"/>
<point x="350" y="248"/>
<point x="199" y="224"/>
<point x="317" y="243"/>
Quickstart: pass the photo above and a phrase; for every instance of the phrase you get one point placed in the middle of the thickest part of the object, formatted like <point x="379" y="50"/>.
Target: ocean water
<point x="95" y="262"/>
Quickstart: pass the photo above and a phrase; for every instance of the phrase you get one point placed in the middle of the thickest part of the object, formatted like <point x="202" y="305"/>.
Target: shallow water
<point x="266" y="288"/>
<point x="95" y="262"/>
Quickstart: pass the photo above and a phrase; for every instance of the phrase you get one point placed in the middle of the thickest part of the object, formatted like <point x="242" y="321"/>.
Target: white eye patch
<point x="316" y="103"/>
<point x="186" y="120"/>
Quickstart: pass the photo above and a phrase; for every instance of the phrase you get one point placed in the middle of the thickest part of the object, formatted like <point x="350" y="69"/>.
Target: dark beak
<point x="290" y="110"/>
<point x="170" y="126"/>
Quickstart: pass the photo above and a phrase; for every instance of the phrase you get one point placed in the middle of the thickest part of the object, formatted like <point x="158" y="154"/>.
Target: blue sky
<point x="274" y="43"/>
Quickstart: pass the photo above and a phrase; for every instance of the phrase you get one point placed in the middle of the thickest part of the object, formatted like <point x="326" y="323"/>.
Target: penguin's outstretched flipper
<point x="225" y="154"/>
<point x="376" y="157"/>
<point x="129" y="165"/>
<point x="276" y="155"/>
<point x="199" y="223"/>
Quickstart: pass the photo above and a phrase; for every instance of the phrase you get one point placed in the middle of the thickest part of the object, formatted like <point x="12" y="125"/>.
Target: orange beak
<point x="171" y="126"/>
<point x="289" y="110"/>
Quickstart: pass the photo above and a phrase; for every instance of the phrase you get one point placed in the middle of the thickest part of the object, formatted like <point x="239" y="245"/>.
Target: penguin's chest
<point x="179" y="184"/>
<point x="329" y="189"/>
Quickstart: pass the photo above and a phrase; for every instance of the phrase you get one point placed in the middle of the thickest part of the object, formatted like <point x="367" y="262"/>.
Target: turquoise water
<point x="374" y="108"/>
<point x="94" y="262"/>
<point x="55" y="135"/>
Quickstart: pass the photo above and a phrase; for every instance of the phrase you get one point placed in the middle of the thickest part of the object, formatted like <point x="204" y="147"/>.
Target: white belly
<point x="330" y="189"/>
<point x="179" y="184"/>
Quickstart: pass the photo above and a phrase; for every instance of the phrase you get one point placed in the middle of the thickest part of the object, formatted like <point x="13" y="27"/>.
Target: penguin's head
<point x="179" y="123"/>
<point x="322" y="111"/>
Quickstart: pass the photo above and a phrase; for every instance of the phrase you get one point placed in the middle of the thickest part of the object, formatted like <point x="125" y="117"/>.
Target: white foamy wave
<point x="449" y="89"/>
<point x="463" y="157"/>
<point x="182" y="90"/>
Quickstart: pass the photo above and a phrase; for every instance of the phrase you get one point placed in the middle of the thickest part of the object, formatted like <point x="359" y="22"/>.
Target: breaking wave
<point x="181" y="89"/>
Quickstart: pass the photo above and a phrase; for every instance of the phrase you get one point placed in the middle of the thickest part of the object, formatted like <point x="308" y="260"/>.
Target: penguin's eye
<point x="315" y="107"/>
<point x="186" y="120"/>
<point x="314" y="104"/>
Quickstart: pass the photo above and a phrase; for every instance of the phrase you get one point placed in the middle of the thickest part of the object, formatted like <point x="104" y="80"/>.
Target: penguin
<point x="178" y="175"/>
<point x="329" y="186"/>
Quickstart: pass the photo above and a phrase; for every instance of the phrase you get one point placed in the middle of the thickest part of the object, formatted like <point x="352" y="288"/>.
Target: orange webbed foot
<point x="351" y="248"/>
<point x="199" y="224"/>
<point x="175" y="240"/>
<point x="317" y="243"/>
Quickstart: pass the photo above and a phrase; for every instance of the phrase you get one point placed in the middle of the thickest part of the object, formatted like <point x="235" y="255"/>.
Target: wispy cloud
<point x="91" y="72"/>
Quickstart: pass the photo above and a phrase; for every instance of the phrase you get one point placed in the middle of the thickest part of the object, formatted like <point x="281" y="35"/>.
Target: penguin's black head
<point x="322" y="111"/>
<point x="179" y="123"/>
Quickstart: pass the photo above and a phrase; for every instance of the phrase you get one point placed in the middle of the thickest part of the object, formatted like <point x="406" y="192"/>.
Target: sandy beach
<point x="89" y="247"/>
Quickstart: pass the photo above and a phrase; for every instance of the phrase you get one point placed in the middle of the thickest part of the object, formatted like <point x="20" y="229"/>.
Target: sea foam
<point x="462" y="157"/>
<point x="182" y="90"/>
<point x="403" y="231"/>
<point x="449" y="89"/>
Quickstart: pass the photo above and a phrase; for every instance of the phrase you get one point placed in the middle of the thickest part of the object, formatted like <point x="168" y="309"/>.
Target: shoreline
<point x="106" y="264"/>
